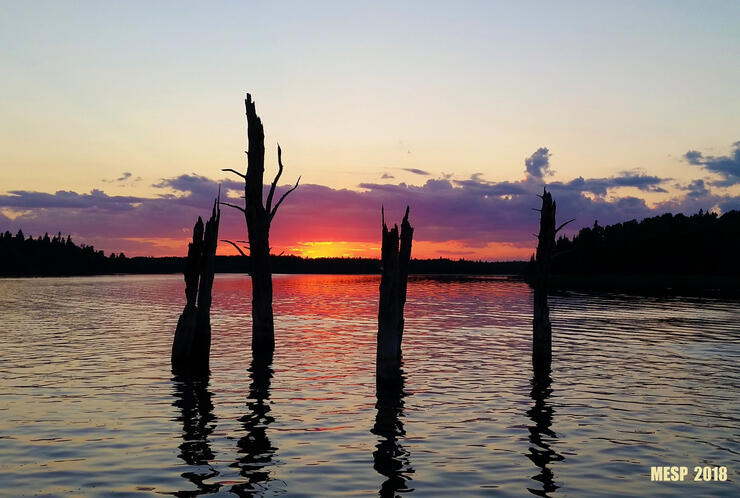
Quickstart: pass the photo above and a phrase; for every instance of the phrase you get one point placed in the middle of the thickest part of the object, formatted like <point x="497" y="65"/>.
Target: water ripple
<point x="89" y="405"/>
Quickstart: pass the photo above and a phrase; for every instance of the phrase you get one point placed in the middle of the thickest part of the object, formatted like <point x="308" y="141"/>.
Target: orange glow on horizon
<point x="334" y="249"/>
<point x="493" y="251"/>
<point x="452" y="249"/>
<point x="151" y="247"/>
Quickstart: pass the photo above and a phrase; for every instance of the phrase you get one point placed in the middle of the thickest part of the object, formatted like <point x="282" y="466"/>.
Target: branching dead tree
<point x="394" y="277"/>
<point x="191" y="346"/>
<point x="258" y="218"/>
<point x="541" y="326"/>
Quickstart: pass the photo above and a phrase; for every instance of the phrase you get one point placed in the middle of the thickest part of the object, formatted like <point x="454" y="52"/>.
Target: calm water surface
<point x="88" y="404"/>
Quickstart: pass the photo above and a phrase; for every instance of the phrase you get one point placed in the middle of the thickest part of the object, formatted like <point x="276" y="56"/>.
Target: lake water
<point x="89" y="406"/>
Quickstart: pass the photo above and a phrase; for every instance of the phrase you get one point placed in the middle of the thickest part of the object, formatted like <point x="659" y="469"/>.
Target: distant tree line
<point x="59" y="256"/>
<point x="701" y="244"/>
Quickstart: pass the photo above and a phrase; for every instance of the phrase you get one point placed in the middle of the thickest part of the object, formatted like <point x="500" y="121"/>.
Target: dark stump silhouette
<point x="191" y="346"/>
<point x="541" y="436"/>
<point x="394" y="277"/>
<point x="255" y="449"/>
<point x="193" y="399"/>
<point x="541" y="326"/>
<point x="390" y="459"/>
<point x="258" y="218"/>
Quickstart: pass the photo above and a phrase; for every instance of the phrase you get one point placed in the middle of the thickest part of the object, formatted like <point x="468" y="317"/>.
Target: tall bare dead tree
<point x="541" y="326"/>
<point x="259" y="216"/>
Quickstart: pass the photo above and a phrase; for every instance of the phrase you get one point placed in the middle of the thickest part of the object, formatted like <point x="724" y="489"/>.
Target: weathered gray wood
<point x="393" y="280"/>
<point x="191" y="345"/>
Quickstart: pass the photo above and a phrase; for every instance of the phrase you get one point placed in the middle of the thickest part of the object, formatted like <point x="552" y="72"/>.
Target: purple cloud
<point x="417" y="171"/>
<point x="600" y="186"/>
<point x="473" y="212"/>
<point x="97" y="199"/>
<point x="728" y="167"/>
<point x="538" y="164"/>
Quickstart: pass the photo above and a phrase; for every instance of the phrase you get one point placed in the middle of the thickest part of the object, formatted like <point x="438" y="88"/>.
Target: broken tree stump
<point x="258" y="218"/>
<point x="541" y="326"/>
<point x="191" y="347"/>
<point x="394" y="262"/>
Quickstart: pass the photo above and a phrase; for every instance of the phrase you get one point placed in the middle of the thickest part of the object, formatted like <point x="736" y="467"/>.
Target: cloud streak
<point x="417" y="171"/>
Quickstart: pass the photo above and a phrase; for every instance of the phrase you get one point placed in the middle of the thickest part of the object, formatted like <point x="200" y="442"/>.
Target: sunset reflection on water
<point x="90" y="406"/>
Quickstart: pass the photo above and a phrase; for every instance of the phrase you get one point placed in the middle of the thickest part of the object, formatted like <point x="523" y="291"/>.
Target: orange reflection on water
<point x="353" y="296"/>
<point x="327" y="296"/>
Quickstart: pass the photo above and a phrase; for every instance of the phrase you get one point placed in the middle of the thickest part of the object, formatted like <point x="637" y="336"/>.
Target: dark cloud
<point x="124" y="176"/>
<point x="697" y="188"/>
<point x="417" y="171"/>
<point x="197" y="190"/>
<point x="538" y="164"/>
<point x="98" y="199"/>
<point x="600" y="186"/>
<point x="97" y="216"/>
<point x="474" y="212"/>
<point x="494" y="188"/>
<point x="728" y="167"/>
<point x="728" y="203"/>
<point x="386" y="176"/>
<point x="477" y="212"/>
<point x="693" y="157"/>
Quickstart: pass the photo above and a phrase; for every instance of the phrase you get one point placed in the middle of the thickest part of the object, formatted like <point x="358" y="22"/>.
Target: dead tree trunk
<point x="394" y="276"/>
<point x="191" y="347"/>
<point x="258" y="218"/>
<point x="541" y="326"/>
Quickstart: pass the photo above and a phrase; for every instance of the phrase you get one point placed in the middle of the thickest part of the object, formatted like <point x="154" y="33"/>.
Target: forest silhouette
<point x="704" y="244"/>
<point x="52" y="256"/>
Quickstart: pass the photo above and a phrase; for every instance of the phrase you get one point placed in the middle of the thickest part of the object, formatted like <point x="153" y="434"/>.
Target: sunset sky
<point x="117" y="118"/>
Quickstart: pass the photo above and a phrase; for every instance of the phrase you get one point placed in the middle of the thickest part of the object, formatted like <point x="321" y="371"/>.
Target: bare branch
<point x="233" y="206"/>
<point x="563" y="225"/>
<point x="274" y="210"/>
<point x="268" y="204"/>
<point x="235" y="172"/>
<point x="237" y="247"/>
